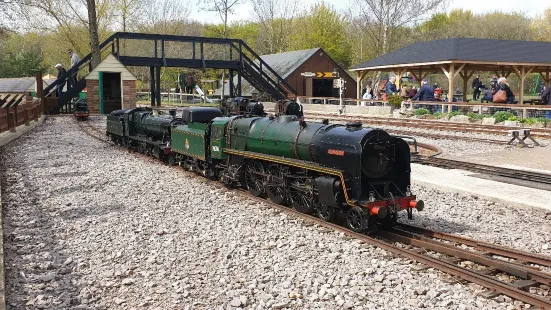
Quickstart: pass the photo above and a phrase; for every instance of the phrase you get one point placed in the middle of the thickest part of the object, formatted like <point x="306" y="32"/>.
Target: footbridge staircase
<point x="156" y="51"/>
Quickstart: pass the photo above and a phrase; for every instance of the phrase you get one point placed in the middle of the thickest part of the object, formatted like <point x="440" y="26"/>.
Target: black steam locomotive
<point x="347" y="171"/>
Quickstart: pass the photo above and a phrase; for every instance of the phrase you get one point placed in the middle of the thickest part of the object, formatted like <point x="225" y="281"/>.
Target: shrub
<point x="438" y="115"/>
<point x="529" y="120"/>
<point x="502" y="116"/>
<point x="473" y="115"/>
<point x="455" y="113"/>
<point x="395" y="101"/>
<point x="421" y="111"/>
<point x="542" y="120"/>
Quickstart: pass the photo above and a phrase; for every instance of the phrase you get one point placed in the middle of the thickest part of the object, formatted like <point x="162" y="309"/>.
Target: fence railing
<point x="347" y="101"/>
<point x="518" y="110"/>
<point x="21" y="114"/>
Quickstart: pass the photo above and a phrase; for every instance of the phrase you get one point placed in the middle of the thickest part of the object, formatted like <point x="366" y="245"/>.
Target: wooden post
<point x="100" y="90"/>
<point x="465" y="76"/>
<point x="39" y="87"/>
<point x="521" y="90"/>
<point x="450" y="86"/>
<point x="358" y="85"/>
<point x="158" y="85"/>
<point x="152" y="85"/>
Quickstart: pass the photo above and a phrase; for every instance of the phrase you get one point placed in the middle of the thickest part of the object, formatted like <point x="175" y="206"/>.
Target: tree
<point x="93" y="29"/>
<point x="464" y="23"/>
<point x="224" y="8"/>
<point x="20" y="55"/>
<point x="324" y="27"/>
<point x="542" y="26"/>
<point x="383" y="18"/>
<point x="276" y="18"/>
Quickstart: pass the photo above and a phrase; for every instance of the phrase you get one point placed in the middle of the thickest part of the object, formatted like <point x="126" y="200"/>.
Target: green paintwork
<point x="189" y="140"/>
<point x="100" y="84"/>
<point x="282" y="136"/>
<point x="218" y="138"/>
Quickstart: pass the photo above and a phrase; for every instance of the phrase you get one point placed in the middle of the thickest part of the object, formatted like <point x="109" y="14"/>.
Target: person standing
<point x="425" y="93"/>
<point x="391" y="86"/>
<point x="476" y="85"/>
<point x="493" y="82"/>
<point x="503" y="85"/>
<point x="546" y="97"/>
<point x="72" y="69"/>
<point x="61" y="78"/>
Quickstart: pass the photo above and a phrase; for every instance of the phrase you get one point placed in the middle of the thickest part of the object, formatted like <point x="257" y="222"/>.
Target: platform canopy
<point x="463" y="57"/>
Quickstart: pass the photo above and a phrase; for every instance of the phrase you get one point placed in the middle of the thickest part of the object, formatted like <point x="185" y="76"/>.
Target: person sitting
<point x="488" y="95"/>
<point x="391" y="86"/>
<point x="437" y="92"/>
<point x="503" y="85"/>
<point x="404" y="92"/>
<point x="412" y="92"/>
<point x="425" y="93"/>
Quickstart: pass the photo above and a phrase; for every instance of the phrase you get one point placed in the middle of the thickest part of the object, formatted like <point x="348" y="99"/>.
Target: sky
<point x="530" y="7"/>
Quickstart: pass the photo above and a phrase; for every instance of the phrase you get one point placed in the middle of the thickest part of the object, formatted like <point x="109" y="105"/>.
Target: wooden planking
<point x="319" y="63"/>
<point x="111" y="64"/>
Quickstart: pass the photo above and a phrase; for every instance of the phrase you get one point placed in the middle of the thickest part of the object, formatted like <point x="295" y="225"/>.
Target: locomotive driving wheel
<point x="357" y="219"/>
<point x="275" y="187"/>
<point x="301" y="201"/>
<point x="325" y="213"/>
<point x="253" y="177"/>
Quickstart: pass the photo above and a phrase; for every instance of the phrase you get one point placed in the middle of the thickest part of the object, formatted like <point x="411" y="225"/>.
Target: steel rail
<point x="532" y="176"/>
<point x="440" y="125"/>
<point x="516" y="270"/>
<point x="487" y="247"/>
<point x="442" y="265"/>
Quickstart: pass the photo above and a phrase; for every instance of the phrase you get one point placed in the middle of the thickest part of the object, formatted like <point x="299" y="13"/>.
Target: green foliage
<point x="324" y="27"/>
<point x="529" y="120"/>
<point x="502" y="116"/>
<point x="542" y="120"/>
<point x="455" y="113"/>
<point x="421" y="111"/>
<point x="25" y="63"/>
<point x="438" y="115"/>
<point x="395" y="100"/>
<point x="473" y="115"/>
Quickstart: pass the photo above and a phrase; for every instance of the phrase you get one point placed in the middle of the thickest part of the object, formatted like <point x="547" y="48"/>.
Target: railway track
<point x="530" y="176"/>
<point x="440" y="125"/>
<point x="425" y="247"/>
<point x="425" y="124"/>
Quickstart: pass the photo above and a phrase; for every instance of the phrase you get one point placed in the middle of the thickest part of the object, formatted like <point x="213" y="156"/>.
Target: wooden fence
<point x="28" y="110"/>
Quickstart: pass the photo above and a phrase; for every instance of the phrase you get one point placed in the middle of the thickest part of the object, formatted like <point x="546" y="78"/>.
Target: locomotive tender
<point x="346" y="171"/>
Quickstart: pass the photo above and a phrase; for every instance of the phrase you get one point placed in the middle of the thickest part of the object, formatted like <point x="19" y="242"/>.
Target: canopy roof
<point x="483" y="52"/>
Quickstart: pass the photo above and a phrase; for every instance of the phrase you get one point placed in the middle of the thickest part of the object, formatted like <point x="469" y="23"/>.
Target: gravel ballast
<point x="90" y="226"/>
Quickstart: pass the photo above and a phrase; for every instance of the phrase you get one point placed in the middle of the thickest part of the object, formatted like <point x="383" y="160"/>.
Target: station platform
<point x="467" y="183"/>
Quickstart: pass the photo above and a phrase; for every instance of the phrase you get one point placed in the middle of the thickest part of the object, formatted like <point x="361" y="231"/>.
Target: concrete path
<point x="460" y="181"/>
<point x="5" y="138"/>
<point x="538" y="158"/>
